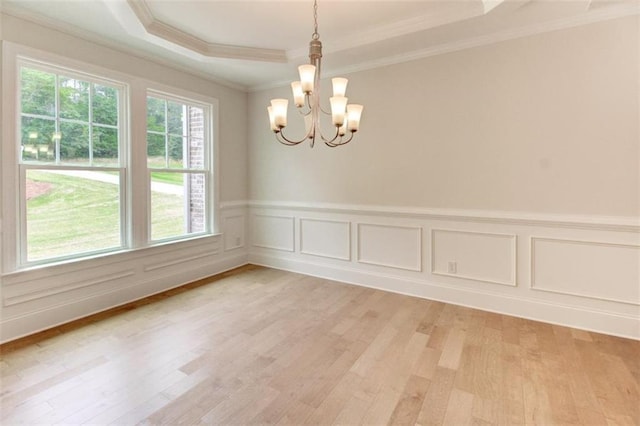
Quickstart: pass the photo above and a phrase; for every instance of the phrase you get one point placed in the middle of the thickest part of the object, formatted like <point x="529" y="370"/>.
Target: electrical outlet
<point x="452" y="268"/>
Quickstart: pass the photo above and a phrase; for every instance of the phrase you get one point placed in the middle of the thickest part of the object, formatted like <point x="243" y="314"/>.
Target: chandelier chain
<point x="315" y="35"/>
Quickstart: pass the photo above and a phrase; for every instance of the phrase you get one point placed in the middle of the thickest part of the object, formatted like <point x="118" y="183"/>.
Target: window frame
<point x="134" y="212"/>
<point x="23" y="167"/>
<point x="210" y="156"/>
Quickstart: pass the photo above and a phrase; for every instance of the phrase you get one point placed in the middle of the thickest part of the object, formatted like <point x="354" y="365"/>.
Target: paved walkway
<point x="165" y="188"/>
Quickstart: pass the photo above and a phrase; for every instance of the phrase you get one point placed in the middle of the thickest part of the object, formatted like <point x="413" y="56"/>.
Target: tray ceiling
<point x="254" y="44"/>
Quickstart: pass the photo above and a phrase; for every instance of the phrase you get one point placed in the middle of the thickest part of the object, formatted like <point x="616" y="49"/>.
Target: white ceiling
<point x="255" y="44"/>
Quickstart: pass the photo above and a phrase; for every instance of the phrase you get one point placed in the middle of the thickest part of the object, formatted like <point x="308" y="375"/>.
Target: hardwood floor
<point x="258" y="345"/>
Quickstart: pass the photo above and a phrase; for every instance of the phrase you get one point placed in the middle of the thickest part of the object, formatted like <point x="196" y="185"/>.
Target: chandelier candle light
<point x="306" y="96"/>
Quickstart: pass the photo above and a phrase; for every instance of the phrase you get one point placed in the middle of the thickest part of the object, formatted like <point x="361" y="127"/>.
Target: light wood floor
<point x="263" y="346"/>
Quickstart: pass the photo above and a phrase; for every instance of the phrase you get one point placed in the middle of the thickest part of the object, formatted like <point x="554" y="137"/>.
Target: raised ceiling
<point x="254" y="44"/>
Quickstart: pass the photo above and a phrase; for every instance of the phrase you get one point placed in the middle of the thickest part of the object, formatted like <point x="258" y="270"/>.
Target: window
<point x="70" y="165"/>
<point x="177" y="158"/>
<point x="80" y="179"/>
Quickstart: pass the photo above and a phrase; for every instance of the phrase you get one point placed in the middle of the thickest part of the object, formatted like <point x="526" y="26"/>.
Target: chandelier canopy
<point x="306" y="96"/>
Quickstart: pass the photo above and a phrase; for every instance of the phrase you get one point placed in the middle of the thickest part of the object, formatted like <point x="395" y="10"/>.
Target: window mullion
<point x="90" y="108"/>
<point x="166" y="133"/>
<point x="57" y="134"/>
<point x="138" y="176"/>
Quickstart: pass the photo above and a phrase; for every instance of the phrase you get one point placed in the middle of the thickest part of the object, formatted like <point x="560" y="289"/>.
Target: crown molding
<point x="166" y="32"/>
<point x="590" y="17"/>
<point x="458" y="11"/>
<point x="91" y="37"/>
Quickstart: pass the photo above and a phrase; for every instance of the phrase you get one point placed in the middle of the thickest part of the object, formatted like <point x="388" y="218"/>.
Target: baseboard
<point x="539" y="310"/>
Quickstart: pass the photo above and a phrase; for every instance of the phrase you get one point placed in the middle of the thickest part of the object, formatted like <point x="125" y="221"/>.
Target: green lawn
<point x="175" y="178"/>
<point x="78" y="215"/>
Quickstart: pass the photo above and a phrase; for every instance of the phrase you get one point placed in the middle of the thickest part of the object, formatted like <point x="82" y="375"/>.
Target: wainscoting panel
<point x="474" y="255"/>
<point x="273" y="232"/>
<point x="18" y="293"/>
<point x="40" y="298"/>
<point x="583" y="274"/>
<point x="233" y="230"/>
<point x="591" y="269"/>
<point x="325" y="238"/>
<point x="392" y="246"/>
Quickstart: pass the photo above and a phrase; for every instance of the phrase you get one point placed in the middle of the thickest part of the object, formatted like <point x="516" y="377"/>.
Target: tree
<point x="86" y="111"/>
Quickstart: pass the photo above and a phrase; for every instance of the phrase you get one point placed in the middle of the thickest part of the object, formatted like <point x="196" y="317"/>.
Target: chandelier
<point x="306" y="96"/>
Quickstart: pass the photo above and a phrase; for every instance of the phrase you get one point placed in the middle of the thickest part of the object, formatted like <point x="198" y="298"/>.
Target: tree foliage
<point x="166" y="129"/>
<point x="87" y="114"/>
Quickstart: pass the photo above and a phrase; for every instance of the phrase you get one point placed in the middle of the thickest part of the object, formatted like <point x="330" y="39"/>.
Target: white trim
<point x="230" y="247"/>
<point x="56" y="270"/>
<point x="122" y="89"/>
<point x="532" y="279"/>
<point x="53" y="315"/>
<point x="291" y="249"/>
<point x="606" y="223"/>
<point x="393" y="30"/>
<point x="149" y="26"/>
<point x="210" y="107"/>
<point x="311" y="253"/>
<point x="167" y="263"/>
<point x="101" y="41"/>
<point x="598" y="314"/>
<point x="589" y="17"/>
<point x="514" y="257"/>
<point x="237" y="204"/>
<point x="404" y="27"/>
<point x="50" y="291"/>
<point x="415" y="268"/>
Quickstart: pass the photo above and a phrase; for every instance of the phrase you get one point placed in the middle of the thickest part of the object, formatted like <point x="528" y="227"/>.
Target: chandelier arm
<point x="286" y="141"/>
<point x="348" y="140"/>
<point x="283" y="139"/>
<point x="342" y="142"/>
<point x="334" y="144"/>
<point x="304" y="112"/>
<point x="327" y="141"/>
<point x="307" y="103"/>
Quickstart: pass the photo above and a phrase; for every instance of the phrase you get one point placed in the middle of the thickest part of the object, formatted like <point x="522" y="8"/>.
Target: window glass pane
<point x="196" y="122"/>
<point x="176" y="144"/>
<point x="105" y="105"/>
<point x="105" y="146"/>
<point x="196" y="153"/>
<point x="37" y="139"/>
<point x="74" y="99"/>
<point x="197" y="202"/>
<point x="196" y="142"/>
<point x="156" y="114"/>
<point x="74" y="143"/>
<point x="156" y="150"/>
<point x="176" y="119"/>
<point x="71" y="212"/>
<point x="38" y="92"/>
<point x="178" y="204"/>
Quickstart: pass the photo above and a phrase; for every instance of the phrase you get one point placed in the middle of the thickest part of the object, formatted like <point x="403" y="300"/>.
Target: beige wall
<point x="232" y="103"/>
<point x="542" y="124"/>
